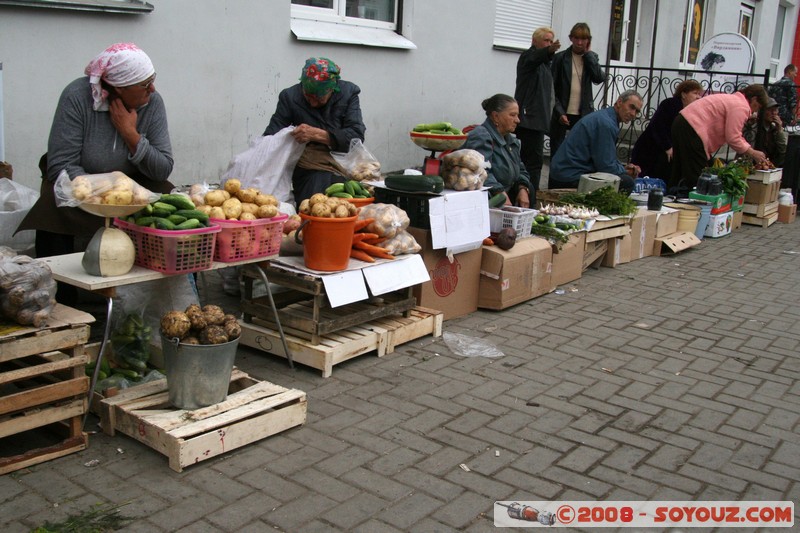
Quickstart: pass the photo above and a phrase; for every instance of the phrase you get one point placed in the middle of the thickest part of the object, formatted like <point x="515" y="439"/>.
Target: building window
<point x="361" y="22"/>
<point x="109" y="6"/>
<point x="624" y="15"/>
<point x="516" y="20"/>
<point x="693" y="31"/>
<point x="777" y="43"/>
<point x="746" y="12"/>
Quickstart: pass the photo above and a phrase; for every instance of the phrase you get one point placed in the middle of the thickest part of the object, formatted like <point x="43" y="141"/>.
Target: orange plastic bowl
<point x="360" y="202"/>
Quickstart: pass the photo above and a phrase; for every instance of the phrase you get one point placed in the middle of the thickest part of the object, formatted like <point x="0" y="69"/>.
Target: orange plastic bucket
<point x="326" y="241"/>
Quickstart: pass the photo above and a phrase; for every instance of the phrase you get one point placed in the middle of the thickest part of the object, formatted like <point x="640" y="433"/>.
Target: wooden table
<point x="68" y="269"/>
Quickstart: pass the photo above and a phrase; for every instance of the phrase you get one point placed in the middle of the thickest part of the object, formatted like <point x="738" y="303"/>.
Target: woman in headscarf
<point x="326" y="113"/>
<point x="112" y="119"/>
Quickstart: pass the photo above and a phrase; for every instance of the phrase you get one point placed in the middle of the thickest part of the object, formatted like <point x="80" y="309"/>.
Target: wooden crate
<point x="764" y="222"/>
<point x="381" y="335"/>
<point x="252" y="411"/>
<point x="43" y="389"/>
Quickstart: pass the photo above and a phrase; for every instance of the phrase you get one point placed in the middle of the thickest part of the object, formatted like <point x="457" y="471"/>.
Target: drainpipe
<point x="2" y="138"/>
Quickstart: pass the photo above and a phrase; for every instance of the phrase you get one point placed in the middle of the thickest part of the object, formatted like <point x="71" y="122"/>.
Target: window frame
<point x="336" y="15"/>
<point x="128" y="7"/>
<point x="683" y="60"/>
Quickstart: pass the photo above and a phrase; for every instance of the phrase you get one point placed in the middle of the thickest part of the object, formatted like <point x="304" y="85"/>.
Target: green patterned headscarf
<point x="320" y="76"/>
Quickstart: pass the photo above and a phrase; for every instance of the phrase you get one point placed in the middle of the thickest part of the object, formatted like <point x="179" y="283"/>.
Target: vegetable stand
<point x="68" y="269"/>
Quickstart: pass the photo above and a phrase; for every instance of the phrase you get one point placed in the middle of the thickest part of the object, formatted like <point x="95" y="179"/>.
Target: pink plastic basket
<point x="245" y="239"/>
<point x="171" y="252"/>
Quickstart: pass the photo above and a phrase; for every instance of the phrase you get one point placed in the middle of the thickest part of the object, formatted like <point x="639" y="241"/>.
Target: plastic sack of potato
<point x="359" y="163"/>
<point x="402" y="243"/>
<point x="111" y="188"/>
<point x="464" y="170"/>
<point x="388" y="219"/>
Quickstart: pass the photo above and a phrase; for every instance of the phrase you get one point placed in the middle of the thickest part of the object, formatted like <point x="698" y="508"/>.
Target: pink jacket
<point x="718" y="119"/>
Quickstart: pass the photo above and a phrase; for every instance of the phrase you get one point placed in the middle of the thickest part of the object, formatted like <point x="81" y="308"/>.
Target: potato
<point x="214" y="198"/>
<point x="316" y="198"/>
<point x="218" y="213"/>
<point x="232" y="208"/>
<point x="123" y="183"/>
<point x="341" y="211"/>
<point x="247" y="207"/>
<point x="196" y="317"/>
<point x="115" y="197"/>
<point x="213" y="335"/>
<point x="141" y="195"/>
<point x="266" y="199"/>
<point x="267" y="211"/>
<point x="247" y="195"/>
<point x="305" y="207"/>
<point x="247" y="216"/>
<point x="233" y="185"/>
<point x="214" y="314"/>
<point x="321" y="209"/>
<point x="175" y="324"/>
<point x="205" y="209"/>
<point x="81" y="191"/>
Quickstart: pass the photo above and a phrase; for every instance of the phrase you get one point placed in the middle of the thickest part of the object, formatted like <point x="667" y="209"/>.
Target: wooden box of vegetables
<point x="171" y="251"/>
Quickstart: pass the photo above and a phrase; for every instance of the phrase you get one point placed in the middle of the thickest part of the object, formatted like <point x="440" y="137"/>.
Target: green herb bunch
<point x="606" y="200"/>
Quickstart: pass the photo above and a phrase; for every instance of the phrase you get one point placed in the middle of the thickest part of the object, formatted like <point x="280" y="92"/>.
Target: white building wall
<point x="221" y="64"/>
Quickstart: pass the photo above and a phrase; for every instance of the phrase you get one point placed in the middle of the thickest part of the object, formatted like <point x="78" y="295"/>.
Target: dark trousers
<point x="532" y="153"/>
<point x="688" y="157"/>
<point x="558" y="131"/>
<point x="306" y="182"/>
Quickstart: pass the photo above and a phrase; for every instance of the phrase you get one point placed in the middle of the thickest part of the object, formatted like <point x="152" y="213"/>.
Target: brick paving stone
<point x="410" y="510"/>
<point x="480" y="484"/>
<point x="184" y="512"/>
<point x="276" y="486"/>
<point x="432" y="485"/>
<point x="581" y="459"/>
<point x="292" y="515"/>
<point x="234" y="515"/>
<point x="357" y="509"/>
<point x="364" y="438"/>
<point x="377" y="484"/>
<point x="464" y="510"/>
<point x="577" y="481"/>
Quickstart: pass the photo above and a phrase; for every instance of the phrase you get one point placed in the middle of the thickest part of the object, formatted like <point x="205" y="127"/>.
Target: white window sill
<point x="331" y="32"/>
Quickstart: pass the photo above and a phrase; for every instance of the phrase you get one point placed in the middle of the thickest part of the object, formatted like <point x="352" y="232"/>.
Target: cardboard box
<point x="509" y="277"/>
<point x="674" y="243"/>
<point x="737" y="220"/>
<point x="643" y="233"/>
<point x="593" y="254"/>
<point x="787" y="213"/>
<point x="619" y="252"/>
<point x="761" y="193"/>
<point x="453" y="287"/>
<point x="667" y="222"/>
<point x="567" y="264"/>
<point x="720" y="203"/>
<point x="719" y="225"/>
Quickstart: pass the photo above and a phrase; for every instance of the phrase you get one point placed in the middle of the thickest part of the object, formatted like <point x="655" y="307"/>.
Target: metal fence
<point x="657" y="84"/>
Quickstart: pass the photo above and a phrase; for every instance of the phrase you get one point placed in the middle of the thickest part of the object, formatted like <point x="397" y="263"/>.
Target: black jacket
<point x="562" y="80"/>
<point x="534" y="92"/>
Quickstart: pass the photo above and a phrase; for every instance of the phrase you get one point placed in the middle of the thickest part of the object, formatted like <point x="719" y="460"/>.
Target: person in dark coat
<point x="573" y="97"/>
<point x="326" y="113"/>
<point x="653" y="149"/>
<point x="534" y="94"/>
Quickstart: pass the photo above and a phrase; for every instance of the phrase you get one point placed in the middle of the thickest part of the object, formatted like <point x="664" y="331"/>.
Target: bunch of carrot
<point x="365" y="245"/>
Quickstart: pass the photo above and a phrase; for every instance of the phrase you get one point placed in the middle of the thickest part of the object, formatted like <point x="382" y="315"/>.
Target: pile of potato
<point x="113" y="188"/>
<point x="200" y="325"/>
<point x="323" y="206"/>
<point x="233" y="202"/>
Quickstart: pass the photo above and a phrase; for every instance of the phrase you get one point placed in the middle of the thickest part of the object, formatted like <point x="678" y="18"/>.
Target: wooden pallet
<point x="381" y="335"/>
<point x="764" y="222"/>
<point x="252" y="411"/>
<point x="43" y="389"/>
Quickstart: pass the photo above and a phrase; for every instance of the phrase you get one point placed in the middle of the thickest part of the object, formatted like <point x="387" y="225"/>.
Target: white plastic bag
<point x="359" y="163"/>
<point x="268" y="164"/>
<point x="15" y="202"/>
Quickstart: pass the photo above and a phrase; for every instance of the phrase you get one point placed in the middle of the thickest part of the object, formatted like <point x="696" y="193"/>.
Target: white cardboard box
<point x="719" y="225"/>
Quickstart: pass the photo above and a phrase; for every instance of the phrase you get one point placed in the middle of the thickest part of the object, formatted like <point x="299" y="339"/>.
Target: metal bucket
<point x="198" y="375"/>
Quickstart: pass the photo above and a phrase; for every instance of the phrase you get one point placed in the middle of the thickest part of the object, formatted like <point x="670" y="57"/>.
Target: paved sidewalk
<point x="671" y="378"/>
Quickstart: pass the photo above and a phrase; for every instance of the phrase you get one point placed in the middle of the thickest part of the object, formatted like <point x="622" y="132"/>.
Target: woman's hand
<point x="564" y="119"/>
<point x="124" y="121"/>
<point x="757" y="155"/>
<point x="669" y="154"/>
<point x="305" y="133"/>
<point x="523" y="198"/>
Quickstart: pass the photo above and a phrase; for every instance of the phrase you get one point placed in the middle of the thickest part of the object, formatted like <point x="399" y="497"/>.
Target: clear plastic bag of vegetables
<point x="358" y="162"/>
<point x="402" y="243"/>
<point x="387" y="221"/>
<point x="464" y="170"/>
<point x="27" y="290"/>
<point x="111" y="188"/>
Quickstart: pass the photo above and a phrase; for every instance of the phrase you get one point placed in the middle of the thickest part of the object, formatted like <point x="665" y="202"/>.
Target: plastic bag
<point x="464" y="170"/>
<point x="110" y="188"/>
<point x="467" y="346"/>
<point x="402" y="243"/>
<point x="268" y="164"/>
<point x="15" y="202"/>
<point x="130" y="336"/>
<point x="388" y="219"/>
<point x="27" y="290"/>
<point x="358" y="162"/>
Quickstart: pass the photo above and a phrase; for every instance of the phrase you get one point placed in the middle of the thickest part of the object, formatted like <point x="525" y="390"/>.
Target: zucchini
<point x="178" y="200"/>
<point x="424" y="183"/>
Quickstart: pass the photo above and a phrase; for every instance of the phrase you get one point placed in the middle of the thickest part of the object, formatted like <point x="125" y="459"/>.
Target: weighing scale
<point x="95" y="245"/>
<point x="436" y="143"/>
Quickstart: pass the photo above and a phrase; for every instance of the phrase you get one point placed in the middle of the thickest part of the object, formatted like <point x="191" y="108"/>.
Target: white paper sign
<point x="459" y="218"/>
<point x="405" y="271"/>
<point x="345" y="287"/>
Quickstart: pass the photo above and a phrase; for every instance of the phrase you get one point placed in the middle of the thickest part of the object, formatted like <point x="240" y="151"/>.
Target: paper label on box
<point x="459" y="218"/>
<point x="403" y="272"/>
<point x="345" y="287"/>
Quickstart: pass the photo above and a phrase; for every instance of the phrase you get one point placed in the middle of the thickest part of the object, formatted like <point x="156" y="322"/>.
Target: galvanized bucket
<point x="198" y="375"/>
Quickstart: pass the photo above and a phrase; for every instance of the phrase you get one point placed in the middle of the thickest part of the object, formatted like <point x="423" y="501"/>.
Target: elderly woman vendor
<point x="326" y="113"/>
<point x="112" y="119"/>
<point x="496" y="141"/>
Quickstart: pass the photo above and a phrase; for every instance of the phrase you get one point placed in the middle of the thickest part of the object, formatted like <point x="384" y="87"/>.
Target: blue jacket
<point x="507" y="171"/>
<point x="590" y="147"/>
<point x="340" y="117"/>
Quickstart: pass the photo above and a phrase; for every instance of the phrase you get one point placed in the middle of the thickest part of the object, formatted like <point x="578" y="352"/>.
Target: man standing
<point x="534" y="94"/>
<point x="784" y="92"/>
<point x="574" y="71"/>
<point x="592" y="146"/>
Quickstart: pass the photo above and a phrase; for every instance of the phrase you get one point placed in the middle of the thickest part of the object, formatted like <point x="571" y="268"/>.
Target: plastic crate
<point x="245" y="239"/>
<point x="171" y="252"/>
<point x="414" y="204"/>
<point x="519" y="218"/>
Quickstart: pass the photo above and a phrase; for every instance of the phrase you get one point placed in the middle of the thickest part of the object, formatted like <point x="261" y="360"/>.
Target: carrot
<point x="361" y="224"/>
<point x="364" y="236"/>
<point x="375" y="251"/>
<point x="376" y="240"/>
<point x="361" y="255"/>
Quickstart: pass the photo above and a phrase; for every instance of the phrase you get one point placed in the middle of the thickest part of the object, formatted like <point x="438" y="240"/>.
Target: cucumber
<point x="162" y="206"/>
<point x="164" y="223"/>
<point x="497" y="200"/>
<point x="177" y="219"/>
<point x="193" y="213"/>
<point x="424" y="183"/>
<point x="191" y="223"/>
<point x="178" y="200"/>
<point x="145" y="221"/>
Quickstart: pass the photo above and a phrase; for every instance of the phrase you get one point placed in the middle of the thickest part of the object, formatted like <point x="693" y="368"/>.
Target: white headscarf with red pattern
<point x="120" y="65"/>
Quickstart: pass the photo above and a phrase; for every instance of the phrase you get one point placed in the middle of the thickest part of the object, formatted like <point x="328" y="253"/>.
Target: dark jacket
<point x="534" y="92"/>
<point x="784" y="92"/>
<point x="656" y="139"/>
<point x="340" y="117"/>
<point x="507" y="172"/>
<point x="562" y="80"/>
